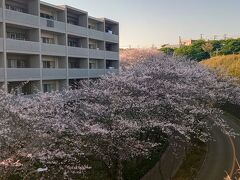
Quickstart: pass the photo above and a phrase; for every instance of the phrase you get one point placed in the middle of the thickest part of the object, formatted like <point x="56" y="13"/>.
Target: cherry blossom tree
<point x="178" y="96"/>
<point x="39" y="135"/>
<point x="131" y="56"/>
<point x="111" y="119"/>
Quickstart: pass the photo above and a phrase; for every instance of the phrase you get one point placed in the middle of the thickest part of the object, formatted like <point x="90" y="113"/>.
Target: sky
<point x="144" y="23"/>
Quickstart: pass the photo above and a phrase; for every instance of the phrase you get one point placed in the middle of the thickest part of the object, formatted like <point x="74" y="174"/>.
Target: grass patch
<point x="232" y="110"/>
<point x="229" y="63"/>
<point x="193" y="162"/>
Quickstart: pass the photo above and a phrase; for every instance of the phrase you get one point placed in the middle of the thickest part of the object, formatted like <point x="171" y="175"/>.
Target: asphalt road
<point x="223" y="154"/>
<point x="221" y="158"/>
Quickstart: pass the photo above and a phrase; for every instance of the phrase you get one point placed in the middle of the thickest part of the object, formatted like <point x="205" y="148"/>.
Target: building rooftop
<point x="63" y="7"/>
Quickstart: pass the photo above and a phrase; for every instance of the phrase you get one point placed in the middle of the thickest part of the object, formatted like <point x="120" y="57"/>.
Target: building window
<point x="74" y="64"/>
<point x="12" y="63"/>
<point x="49" y="64"/>
<point x="109" y="30"/>
<point x="109" y="47"/>
<point x="48" y="88"/>
<point x="16" y="63"/>
<point x="16" y="36"/>
<point x="14" y="8"/>
<point x="93" y="46"/>
<point x="47" y="40"/>
<point x="73" y="43"/>
<point x="91" y="26"/>
<point x="47" y="16"/>
<point x="72" y="20"/>
<point x="92" y="65"/>
<point x="110" y="65"/>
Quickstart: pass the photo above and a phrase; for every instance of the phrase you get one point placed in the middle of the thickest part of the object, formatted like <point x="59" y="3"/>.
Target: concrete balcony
<point x="53" y="50"/>
<point x="112" y="55"/>
<point x="18" y="46"/>
<point x="50" y="74"/>
<point x="1" y="14"/>
<point x="111" y="37"/>
<point x="23" y="74"/>
<point x="95" y="73"/>
<point x="77" y="30"/>
<point x="96" y="54"/>
<point x="51" y="25"/>
<point x="112" y="71"/>
<point x="77" y="73"/>
<point x="1" y="44"/>
<point x="77" y="52"/>
<point x="94" y="34"/>
<point x="20" y="18"/>
<point x="2" y="74"/>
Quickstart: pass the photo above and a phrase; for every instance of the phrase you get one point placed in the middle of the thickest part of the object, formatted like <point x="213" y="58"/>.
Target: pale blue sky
<point x="147" y="22"/>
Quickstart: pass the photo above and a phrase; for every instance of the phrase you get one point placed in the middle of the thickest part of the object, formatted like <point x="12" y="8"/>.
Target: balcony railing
<point x="94" y="34"/>
<point x="112" y="55"/>
<point x="2" y="74"/>
<point x="1" y="15"/>
<point x="77" y="30"/>
<point x="28" y="47"/>
<point x="53" y="49"/>
<point x="111" y="37"/>
<point x="1" y="44"/>
<point x="77" y="73"/>
<point x="53" y="25"/>
<point x="21" y="18"/>
<point x="48" y="74"/>
<point x="23" y="74"/>
<point x="112" y="71"/>
<point x="96" y="54"/>
<point x="95" y="73"/>
<point x="77" y="52"/>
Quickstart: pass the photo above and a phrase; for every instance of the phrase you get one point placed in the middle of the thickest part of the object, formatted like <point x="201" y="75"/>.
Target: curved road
<point x="223" y="154"/>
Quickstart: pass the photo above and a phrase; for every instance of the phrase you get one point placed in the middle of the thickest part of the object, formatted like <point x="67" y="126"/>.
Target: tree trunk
<point x="119" y="170"/>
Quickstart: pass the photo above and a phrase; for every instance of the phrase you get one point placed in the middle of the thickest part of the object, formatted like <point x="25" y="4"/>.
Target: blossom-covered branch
<point x="112" y="119"/>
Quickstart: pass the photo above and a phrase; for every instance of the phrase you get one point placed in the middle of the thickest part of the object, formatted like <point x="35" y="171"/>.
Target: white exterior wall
<point x="59" y="52"/>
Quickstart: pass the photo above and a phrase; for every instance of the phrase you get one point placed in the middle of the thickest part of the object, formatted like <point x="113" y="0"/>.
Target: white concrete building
<point x="51" y="47"/>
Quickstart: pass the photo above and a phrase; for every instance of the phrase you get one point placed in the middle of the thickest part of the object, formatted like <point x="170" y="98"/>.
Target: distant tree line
<point x="202" y="49"/>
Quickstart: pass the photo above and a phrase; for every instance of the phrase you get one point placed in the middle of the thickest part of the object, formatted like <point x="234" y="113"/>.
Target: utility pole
<point x="180" y="40"/>
<point x="225" y="36"/>
<point x="201" y="36"/>
<point x="215" y="37"/>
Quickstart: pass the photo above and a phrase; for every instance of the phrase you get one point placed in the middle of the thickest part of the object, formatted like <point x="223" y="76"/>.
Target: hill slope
<point x="229" y="63"/>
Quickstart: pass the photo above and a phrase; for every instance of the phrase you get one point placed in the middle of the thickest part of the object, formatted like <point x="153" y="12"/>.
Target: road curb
<point x="204" y="162"/>
<point x="168" y="165"/>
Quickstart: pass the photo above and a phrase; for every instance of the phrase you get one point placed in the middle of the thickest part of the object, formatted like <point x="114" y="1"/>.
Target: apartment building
<point x="45" y="48"/>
